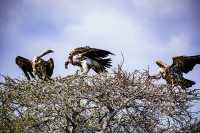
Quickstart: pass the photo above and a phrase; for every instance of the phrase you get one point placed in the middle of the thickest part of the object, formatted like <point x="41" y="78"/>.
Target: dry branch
<point x="117" y="102"/>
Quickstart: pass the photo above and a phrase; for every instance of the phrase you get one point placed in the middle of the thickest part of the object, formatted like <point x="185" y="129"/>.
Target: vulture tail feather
<point x="186" y="83"/>
<point x="103" y="64"/>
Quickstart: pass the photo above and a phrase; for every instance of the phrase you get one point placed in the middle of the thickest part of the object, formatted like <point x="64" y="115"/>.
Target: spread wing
<point x="45" y="53"/>
<point x="50" y="67"/>
<point x="185" y="63"/>
<point x="96" y="53"/>
<point x="24" y="63"/>
<point x="90" y="52"/>
<point x="79" y="50"/>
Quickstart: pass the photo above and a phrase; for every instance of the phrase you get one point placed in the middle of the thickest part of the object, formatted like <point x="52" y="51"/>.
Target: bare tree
<point x="117" y="102"/>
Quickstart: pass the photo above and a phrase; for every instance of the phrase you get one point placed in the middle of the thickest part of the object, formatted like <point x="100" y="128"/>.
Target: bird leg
<point x="31" y="74"/>
<point x="26" y="74"/>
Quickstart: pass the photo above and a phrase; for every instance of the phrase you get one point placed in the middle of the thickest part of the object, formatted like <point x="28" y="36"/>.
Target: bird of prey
<point x="89" y="58"/>
<point x="173" y="74"/>
<point x="43" y="69"/>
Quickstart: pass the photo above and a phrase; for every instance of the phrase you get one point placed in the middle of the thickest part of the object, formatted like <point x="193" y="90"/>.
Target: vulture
<point x="173" y="74"/>
<point x="43" y="69"/>
<point x="89" y="58"/>
<point x="36" y="67"/>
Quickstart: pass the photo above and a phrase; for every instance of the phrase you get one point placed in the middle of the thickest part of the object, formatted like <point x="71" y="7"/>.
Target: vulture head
<point x="161" y="64"/>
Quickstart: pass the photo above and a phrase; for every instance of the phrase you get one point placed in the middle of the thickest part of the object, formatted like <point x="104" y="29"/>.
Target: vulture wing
<point x="96" y="53"/>
<point x="185" y="63"/>
<point x="45" y="53"/>
<point x="26" y="61"/>
<point x="50" y="67"/>
<point x="79" y="50"/>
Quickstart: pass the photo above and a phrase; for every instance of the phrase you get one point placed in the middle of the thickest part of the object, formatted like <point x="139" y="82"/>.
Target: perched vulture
<point x="43" y="69"/>
<point x="89" y="58"/>
<point x="173" y="74"/>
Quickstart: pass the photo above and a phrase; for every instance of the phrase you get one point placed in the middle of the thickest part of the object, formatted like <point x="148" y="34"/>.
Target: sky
<point x="143" y="30"/>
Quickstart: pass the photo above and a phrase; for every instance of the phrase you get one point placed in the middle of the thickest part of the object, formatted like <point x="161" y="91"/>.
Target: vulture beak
<point x="68" y="61"/>
<point x="66" y="64"/>
<point x="161" y="64"/>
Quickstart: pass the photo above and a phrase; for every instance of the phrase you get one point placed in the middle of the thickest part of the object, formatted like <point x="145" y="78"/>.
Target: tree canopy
<point x="116" y="102"/>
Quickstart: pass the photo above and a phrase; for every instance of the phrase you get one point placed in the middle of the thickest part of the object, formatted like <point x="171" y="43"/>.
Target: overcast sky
<point x="143" y="30"/>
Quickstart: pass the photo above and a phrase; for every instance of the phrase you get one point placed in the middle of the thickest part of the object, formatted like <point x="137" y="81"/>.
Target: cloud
<point x="142" y="30"/>
<point x="158" y="8"/>
<point x="116" y="31"/>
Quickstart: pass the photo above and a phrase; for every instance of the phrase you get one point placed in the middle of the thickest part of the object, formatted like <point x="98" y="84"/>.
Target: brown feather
<point x="90" y="52"/>
<point x="98" y="55"/>
<point x="25" y="65"/>
<point x="185" y="63"/>
<point x="50" y="67"/>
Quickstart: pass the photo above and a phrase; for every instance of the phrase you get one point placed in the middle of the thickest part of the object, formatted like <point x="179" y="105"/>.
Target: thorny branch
<point x="117" y="102"/>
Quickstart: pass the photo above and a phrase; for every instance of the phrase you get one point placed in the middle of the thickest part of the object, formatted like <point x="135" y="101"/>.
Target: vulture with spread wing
<point x="89" y="58"/>
<point x="36" y="67"/>
<point x="173" y="74"/>
<point x="43" y="69"/>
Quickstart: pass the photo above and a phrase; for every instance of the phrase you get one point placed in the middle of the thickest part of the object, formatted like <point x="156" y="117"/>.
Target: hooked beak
<point x="161" y="64"/>
<point x="68" y="61"/>
<point x="66" y="64"/>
